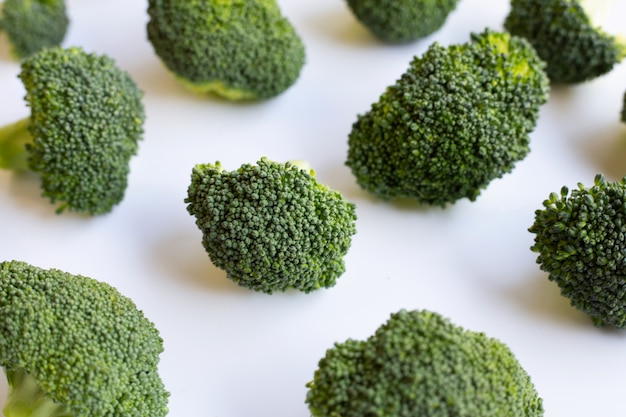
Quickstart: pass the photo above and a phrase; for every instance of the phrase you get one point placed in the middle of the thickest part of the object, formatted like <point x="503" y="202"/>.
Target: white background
<point x="231" y="352"/>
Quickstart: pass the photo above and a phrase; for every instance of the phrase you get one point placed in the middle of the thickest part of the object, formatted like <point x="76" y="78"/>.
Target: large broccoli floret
<point x="420" y="364"/>
<point x="458" y="118"/>
<point x="397" y="21"/>
<point x="581" y="243"/>
<point x="85" y="123"/>
<point x="32" y="25"/>
<point x="72" y="346"/>
<point x="564" y="35"/>
<point x="238" y="49"/>
<point x="271" y="226"/>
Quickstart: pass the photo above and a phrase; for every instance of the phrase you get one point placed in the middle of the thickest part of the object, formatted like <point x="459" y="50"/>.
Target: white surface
<point x="230" y="352"/>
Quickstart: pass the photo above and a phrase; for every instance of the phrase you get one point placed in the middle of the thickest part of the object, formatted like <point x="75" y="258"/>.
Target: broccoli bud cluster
<point x="271" y="226"/>
<point x="458" y="118"/>
<point x="420" y="364"/>
<point x="580" y="239"/>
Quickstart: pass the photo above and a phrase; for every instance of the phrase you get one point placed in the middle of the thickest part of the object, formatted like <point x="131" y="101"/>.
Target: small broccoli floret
<point x="271" y="226"/>
<point x="237" y="49"/>
<point x="401" y="21"/>
<point x="581" y="243"/>
<point x="458" y="118"/>
<point x="564" y="35"/>
<point x="420" y="364"/>
<point x="72" y="346"/>
<point x="85" y="123"/>
<point x="32" y="25"/>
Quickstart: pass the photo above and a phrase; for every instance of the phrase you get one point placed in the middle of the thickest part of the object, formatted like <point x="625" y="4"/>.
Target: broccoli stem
<point x="13" y="140"/>
<point x="27" y="399"/>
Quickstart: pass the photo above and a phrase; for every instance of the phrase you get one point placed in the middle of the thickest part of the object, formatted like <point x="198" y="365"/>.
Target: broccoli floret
<point x="85" y="123"/>
<point x="401" y="21"/>
<point x="458" y="118"/>
<point x="623" y="111"/>
<point x="271" y="226"/>
<point x="72" y="346"/>
<point x="565" y="36"/>
<point x="581" y="244"/>
<point x="420" y="364"/>
<point x="237" y="49"/>
<point x="32" y="25"/>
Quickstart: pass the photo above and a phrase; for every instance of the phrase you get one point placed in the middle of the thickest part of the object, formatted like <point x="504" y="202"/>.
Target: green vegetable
<point x="397" y="21"/>
<point x="565" y="36"/>
<point x="237" y="49"/>
<point x="85" y="123"/>
<point x="580" y="239"/>
<point x="420" y="364"/>
<point x="458" y="118"/>
<point x="271" y="226"/>
<point x="32" y="25"/>
<point x="72" y="346"/>
<point x="623" y="111"/>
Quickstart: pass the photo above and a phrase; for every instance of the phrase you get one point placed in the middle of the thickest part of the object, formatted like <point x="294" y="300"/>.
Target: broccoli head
<point x="581" y="244"/>
<point x="458" y="118"/>
<point x="72" y="346"/>
<point x="237" y="49"/>
<point x="564" y="35"/>
<point x="85" y="123"/>
<point x="271" y="226"/>
<point x="401" y="21"/>
<point x="32" y="25"/>
<point x="420" y="364"/>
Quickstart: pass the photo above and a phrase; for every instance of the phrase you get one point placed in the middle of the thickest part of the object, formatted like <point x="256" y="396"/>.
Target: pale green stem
<point x="13" y="140"/>
<point x="27" y="399"/>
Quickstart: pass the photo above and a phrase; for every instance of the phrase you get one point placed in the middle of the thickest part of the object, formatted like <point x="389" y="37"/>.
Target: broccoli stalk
<point x="27" y="399"/>
<point x="13" y="140"/>
<point x="568" y="35"/>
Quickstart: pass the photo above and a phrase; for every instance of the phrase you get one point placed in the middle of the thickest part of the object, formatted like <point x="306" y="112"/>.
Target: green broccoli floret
<point x="85" y="123"/>
<point x="398" y="21"/>
<point x="581" y="243"/>
<point x="564" y="35"/>
<point x="623" y="111"/>
<point x="271" y="226"/>
<point x="32" y="25"/>
<point x="237" y="49"/>
<point x="72" y="346"/>
<point x="420" y="364"/>
<point x="458" y="118"/>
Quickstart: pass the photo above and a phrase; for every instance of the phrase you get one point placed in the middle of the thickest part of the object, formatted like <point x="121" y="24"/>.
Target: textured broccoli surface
<point x="271" y="226"/>
<point x="580" y="240"/>
<point x="72" y="346"/>
<point x="420" y="364"/>
<point x="85" y="123"/>
<point x="237" y="49"/>
<point x="458" y="118"/>
<point x="32" y="25"/>
<point x="564" y="35"/>
<point x="398" y="21"/>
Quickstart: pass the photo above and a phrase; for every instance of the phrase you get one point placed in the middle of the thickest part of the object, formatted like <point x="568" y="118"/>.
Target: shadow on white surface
<point x="185" y="259"/>
<point x="539" y="296"/>
<point x="606" y="149"/>
<point x="339" y="25"/>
